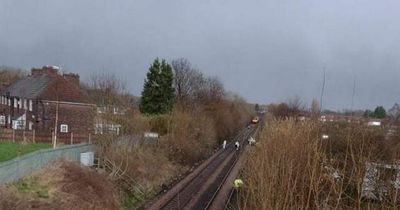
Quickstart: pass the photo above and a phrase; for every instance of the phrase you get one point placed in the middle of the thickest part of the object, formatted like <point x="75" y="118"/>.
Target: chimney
<point x="74" y="78"/>
<point x="45" y="70"/>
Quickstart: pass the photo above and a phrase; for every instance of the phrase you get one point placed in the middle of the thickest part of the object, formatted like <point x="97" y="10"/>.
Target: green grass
<point x="10" y="150"/>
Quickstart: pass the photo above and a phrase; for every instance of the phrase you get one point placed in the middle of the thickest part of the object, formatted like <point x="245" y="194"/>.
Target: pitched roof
<point x="47" y="86"/>
<point x="28" y="87"/>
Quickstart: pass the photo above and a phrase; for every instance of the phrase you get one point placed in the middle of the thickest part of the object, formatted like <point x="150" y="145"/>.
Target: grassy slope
<point x="62" y="185"/>
<point x="9" y="150"/>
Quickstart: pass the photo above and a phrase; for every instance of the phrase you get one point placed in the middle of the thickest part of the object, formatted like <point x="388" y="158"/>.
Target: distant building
<point x="374" y="123"/>
<point x="34" y="102"/>
<point x="103" y="121"/>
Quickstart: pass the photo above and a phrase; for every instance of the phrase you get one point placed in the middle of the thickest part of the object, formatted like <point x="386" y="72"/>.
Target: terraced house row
<point x="47" y="101"/>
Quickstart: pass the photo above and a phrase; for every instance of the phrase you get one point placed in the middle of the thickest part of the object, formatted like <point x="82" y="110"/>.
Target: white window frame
<point x="63" y="128"/>
<point x="2" y="120"/>
<point x="30" y="105"/>
<point x="17" y="124"/>
<point x="25" y="104"/>
<point x="15" y="103"/>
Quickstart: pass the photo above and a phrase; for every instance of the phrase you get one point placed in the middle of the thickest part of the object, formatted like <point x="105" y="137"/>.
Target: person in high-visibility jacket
<point x="237" y="145"/>
<point x="237" y="183"/>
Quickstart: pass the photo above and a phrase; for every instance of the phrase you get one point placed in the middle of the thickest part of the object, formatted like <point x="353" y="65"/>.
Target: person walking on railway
<point x="251" y="141"/>
<point x="224" y="144"/>
<point x="237" y="145"/>
<point x="237" y="183"/>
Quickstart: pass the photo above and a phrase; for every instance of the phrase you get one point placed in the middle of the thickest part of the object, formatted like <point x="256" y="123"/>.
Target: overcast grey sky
<point x="264" y="50"/>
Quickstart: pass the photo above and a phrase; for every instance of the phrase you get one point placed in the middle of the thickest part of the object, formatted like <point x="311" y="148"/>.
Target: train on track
<point x="255" y="120"/>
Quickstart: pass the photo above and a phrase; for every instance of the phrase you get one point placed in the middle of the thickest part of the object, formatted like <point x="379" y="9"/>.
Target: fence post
<point x="17" y="169"/>
<point x="13" y="135"/>
<point x="89" y="138"/>
<point x="72" y="138"/>
<point x="23" y="136"/>
<point x="52" y="138"/>
<point x="33" y="136"/>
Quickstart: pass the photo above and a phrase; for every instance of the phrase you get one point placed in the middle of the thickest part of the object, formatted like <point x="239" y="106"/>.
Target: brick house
<point x="34" y="103"/>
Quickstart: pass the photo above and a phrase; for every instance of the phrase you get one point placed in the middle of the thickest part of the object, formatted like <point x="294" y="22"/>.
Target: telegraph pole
<point x="56" y="122"/>
<point x="55" y="127"/>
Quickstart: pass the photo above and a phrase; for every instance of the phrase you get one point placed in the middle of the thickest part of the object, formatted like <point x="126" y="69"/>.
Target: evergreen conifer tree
<point x="158" y="93"/>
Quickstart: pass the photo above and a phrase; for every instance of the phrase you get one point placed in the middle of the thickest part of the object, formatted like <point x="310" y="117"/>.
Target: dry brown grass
<point x="190" y="138"/>
<point x="62" y="185"/>
<point x="293" y="168"/>
<point x="147" y="165"/>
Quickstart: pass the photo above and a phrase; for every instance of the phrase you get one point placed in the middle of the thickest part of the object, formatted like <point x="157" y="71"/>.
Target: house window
<point x="2" y="120"/>
<point x="30" y="105"/>
<point x="64" y="128"/>
<point x="15" y="103"/>
<point x="98" y="128"/>
<point x="17" y="124"/>
<point x="25" y="104"/>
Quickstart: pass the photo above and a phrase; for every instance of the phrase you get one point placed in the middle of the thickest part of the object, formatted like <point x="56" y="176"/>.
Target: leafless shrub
<point x="149" y="166"/>
<point x="189" y="140"/>
<point x="9" y="75"/>
<point x="294" y="168"/>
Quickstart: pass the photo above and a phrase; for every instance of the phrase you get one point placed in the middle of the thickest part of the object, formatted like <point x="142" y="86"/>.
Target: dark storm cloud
<point x="264" y="50"/>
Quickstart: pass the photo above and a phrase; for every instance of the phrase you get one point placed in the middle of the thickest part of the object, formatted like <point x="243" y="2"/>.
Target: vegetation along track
<point x="199" y="192"/>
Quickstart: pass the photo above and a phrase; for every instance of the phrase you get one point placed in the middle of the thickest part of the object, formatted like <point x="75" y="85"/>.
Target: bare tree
<point x="216" y="90"/>
<point x="187" y="80"/>
<point x="296" y="106"/>
<point x="9" y="75"/>
<point x="315" y="109"/>
<point x="280" y="111"/>
<point x="106" y="89"/>
<point x="192" y="87"/>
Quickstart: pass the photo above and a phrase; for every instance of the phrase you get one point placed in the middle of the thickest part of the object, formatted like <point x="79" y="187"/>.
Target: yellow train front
<point x="255" y="120"/>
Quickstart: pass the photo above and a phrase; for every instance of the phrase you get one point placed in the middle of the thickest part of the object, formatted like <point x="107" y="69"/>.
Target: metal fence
<point x="19" y="167"/>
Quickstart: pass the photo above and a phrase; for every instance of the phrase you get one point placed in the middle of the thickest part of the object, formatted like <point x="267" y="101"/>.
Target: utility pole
<point x="56" y="127"/>
<point x="56" y="122"/>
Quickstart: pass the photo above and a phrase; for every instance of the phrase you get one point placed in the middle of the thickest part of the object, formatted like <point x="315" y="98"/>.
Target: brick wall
<point x="79" y="118"/>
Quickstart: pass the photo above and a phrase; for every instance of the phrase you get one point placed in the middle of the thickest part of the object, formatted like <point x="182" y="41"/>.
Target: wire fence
<point x="7" y="134"/>
<point x="19" y="167"/>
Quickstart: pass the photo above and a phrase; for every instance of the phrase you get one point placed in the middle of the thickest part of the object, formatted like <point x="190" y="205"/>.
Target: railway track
<point x="200" y="191"/>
